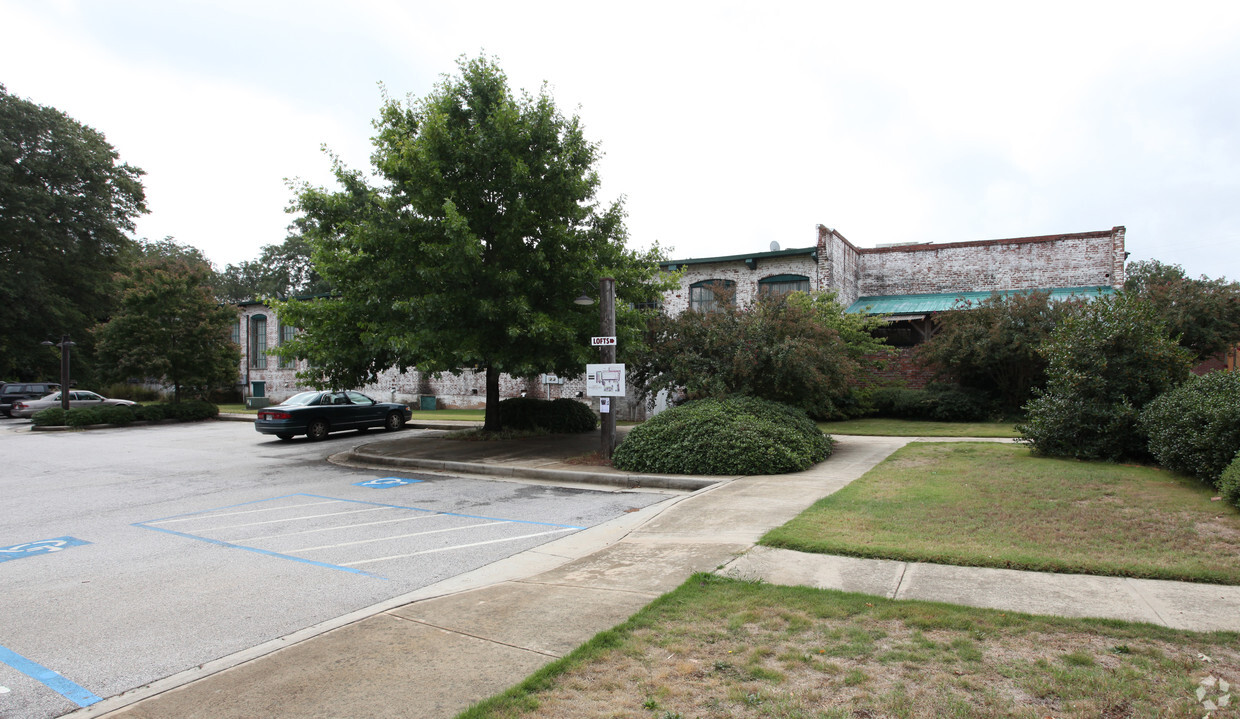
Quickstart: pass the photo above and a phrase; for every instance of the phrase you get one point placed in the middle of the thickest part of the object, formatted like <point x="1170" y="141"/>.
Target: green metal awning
<point x="922" y="304"/>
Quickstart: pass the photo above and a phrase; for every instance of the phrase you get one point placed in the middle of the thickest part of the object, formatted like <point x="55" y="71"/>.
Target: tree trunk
<point x="492" y="423"/>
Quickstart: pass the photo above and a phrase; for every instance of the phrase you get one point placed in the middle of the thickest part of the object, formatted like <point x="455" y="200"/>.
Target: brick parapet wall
<point x="1084" y="259"/>
<point x="677" y="301"/>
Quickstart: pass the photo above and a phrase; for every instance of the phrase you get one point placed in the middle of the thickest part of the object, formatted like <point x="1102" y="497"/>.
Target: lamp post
<point x="607" y="328"/>
<point x="64" y="345"/>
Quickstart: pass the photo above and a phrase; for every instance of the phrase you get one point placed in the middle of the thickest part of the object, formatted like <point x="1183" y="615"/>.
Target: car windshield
<point x="303" y="398"/>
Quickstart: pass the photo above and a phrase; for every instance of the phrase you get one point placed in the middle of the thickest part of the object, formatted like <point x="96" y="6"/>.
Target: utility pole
<point x="607" y="328"/>
<point x="64" y="346"/>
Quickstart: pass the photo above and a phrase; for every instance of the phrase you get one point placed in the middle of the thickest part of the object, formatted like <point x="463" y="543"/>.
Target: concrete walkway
<point x="436" y="651"/>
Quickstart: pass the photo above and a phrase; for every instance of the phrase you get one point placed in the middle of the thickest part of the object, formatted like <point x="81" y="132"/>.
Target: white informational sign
<point x="604" y="380"/>
<point x="602" y="341"/>
<point x="552" y="379"/>
<point x="604" y="405"/>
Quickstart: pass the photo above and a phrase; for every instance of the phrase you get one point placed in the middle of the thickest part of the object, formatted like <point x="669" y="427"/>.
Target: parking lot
<point x="128" y="555"/>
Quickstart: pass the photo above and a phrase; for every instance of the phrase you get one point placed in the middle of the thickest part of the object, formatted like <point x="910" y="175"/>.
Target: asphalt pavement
<point x="435" y="651"/>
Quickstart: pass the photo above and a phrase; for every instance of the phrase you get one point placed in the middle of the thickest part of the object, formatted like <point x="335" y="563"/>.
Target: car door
<point x="369" y="412"/>
<point x="338" y="410"/>
<point x="85" y="399"/>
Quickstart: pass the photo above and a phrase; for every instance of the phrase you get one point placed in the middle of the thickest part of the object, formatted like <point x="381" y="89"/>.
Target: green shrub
<point x="560" y="416"/>
<point x="568" y="416"/>
<point x="1229" y="481"/>
<point x="1195" y="428"/>
<point x="1106" y="361"/>
<point x="83" y="416"/>
<point x="192" y="410"/>
<point x="50" y="417"/>
<point x="120" y="415"/>
<point x="940" y="403"/>
<point x="741" y="435"/>
<point x="151" y="412"/>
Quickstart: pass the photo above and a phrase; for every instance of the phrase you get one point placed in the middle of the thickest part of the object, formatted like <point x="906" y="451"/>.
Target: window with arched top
<point x="258" y="341"/>
<point x="780" y="285"/>
<point x="710" y="295"/>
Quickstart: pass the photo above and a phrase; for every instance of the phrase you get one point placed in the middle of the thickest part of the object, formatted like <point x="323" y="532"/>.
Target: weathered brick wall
<point x="901" y="369"/>
<point x="841" y="260"/>
<point x="746" y="279"/>
<point x="1077" y="260"/>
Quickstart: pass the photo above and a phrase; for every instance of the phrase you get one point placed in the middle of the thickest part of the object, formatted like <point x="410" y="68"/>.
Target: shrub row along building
<point x="908" y="282"/>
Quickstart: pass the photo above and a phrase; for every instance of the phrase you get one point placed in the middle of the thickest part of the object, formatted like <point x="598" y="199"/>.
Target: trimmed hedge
<point x="1195" y="428"/>
<point x="50" y="417"/>
<point x="742" y="435"/>
<point x="123" y="415"/>
<point x="561" y="416"/>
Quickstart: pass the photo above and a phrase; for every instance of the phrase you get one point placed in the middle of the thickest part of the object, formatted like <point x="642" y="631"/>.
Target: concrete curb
<point x="655" y="481"/>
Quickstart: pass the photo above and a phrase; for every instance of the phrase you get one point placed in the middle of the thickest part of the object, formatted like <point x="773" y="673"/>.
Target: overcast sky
<point x="725" y="125"/>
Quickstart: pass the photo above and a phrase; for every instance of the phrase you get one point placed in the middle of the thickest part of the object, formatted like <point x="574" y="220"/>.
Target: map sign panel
<point x="604" y="380"/>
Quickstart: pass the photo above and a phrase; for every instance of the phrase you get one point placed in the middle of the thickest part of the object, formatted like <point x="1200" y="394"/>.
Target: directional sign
<point x="602" y="341"/>
<point x="386" y="482"/>
<point x="605" y="380"/>
<point x="43" y="546"/>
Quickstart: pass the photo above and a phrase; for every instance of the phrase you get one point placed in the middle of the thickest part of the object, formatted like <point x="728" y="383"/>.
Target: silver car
<point x="77" y="398"/>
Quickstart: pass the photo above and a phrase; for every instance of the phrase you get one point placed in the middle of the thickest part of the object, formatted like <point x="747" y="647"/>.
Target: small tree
<point x="169" y="326"/>
<point x="1202" y="314"/>
<point x="992" y="345"/>
<point x="471" y="252"/>
<point x="801" y="350"/>
<point x="1106" y="361"/>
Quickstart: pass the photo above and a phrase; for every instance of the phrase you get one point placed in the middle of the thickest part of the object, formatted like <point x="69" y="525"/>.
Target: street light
<point x="64" y="345"/>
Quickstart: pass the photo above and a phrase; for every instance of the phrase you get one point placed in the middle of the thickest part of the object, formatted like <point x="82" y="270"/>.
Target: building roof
<point x="941" y="302"/>
<point x="749" y="259"/>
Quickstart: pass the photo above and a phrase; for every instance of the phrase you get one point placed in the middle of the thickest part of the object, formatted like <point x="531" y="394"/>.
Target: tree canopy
<point x="168" y="325"/>
<point x="66" y="206"/>
<point x="283" y="270"/>
<point x="993" y="345"/>
<point x="1204" y="314"/>
<point x="470" y="251"/>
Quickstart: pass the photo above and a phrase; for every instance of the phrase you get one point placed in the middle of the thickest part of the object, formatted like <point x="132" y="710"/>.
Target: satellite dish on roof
<point x="774" y="246"/>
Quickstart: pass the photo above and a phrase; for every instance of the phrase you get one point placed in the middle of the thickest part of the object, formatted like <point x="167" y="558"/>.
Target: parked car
<point x="77" y="398"/>
<point x="14" y="391"/>
<point x="315" y="414"/>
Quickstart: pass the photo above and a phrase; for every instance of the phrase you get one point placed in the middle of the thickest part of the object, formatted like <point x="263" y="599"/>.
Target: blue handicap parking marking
<point x="386" y="482"/>
<point x="42" y="546"/>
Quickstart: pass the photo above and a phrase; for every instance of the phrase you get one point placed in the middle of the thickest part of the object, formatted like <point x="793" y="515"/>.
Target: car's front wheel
<point x="317" y="430"/>
<point x="394" y="421"/>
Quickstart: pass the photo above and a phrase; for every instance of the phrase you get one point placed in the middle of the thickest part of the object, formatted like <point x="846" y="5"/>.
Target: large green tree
<point x="66" y="206"/>
<point x="1204" y="314"/>
<point x="168" y="325"/>
<point x="471" y="250"/>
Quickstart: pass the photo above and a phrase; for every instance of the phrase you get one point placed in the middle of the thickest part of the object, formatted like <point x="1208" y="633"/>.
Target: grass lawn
<point x="877" y="426"/>
<point x="725" y="648"/>
<point x="996" y="505"/>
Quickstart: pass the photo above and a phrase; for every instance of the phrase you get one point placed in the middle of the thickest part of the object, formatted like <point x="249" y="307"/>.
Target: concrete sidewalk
<point x="438" y="650"/>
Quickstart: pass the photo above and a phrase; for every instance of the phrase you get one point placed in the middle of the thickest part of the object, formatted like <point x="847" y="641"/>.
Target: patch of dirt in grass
<point x="593" y="459"/>
<point x="882" y="668"/>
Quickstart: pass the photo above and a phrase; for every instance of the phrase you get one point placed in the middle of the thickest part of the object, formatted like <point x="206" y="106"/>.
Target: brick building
<point x="909" y="283"/>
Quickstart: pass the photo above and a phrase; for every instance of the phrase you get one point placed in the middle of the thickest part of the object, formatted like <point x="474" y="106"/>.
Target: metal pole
<point x="607" y="328"/>
<point x="65" y="344"/>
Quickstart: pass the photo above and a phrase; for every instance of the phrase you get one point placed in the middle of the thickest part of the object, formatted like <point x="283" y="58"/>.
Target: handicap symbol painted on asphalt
<point x="43" y="546"/>
<point x="387" y="482"/>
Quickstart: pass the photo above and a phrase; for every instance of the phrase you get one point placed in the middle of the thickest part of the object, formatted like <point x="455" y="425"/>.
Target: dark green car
<point x="315" y="414"/>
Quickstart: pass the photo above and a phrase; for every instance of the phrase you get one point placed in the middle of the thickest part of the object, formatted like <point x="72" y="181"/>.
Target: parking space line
<point x="265" y="552"/>
<point x="342" y="526"/>
<point x="399" y="536"/>
<point x="449" y="549"/>
<point x="51" y="679"/>
<point x="298" y="519"/>
<point x="181" y="518"/>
